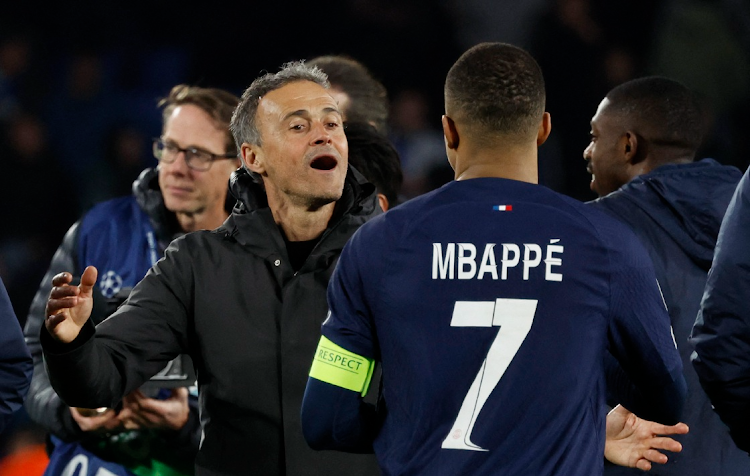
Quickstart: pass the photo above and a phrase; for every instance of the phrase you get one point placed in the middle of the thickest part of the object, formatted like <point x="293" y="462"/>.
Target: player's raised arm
<point x="69" y="306"/>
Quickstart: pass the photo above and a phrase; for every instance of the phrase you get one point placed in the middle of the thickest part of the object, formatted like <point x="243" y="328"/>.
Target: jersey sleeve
<point x="721" y="335"/>
<point x="351" y="292"/>
<point x="334" y="415"/>
<point x="640" y="335"/>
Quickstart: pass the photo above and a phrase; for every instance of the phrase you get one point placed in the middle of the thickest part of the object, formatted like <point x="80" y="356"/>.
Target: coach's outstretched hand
<point x="69" y="307"/>
<point x="635" y="442"/>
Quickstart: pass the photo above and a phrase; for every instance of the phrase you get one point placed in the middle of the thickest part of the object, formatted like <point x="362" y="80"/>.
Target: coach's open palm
<point x="69" y="307"/>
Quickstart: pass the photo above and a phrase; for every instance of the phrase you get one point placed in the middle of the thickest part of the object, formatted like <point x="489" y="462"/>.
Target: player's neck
<point x="510" y="162"/>
<point x="666" y="156"/>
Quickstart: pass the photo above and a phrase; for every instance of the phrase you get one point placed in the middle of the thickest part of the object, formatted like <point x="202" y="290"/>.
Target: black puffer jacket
<point x="231" y="299"/>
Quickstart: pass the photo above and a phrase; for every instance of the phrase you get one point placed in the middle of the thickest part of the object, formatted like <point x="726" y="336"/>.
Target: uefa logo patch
<point x="110" y="284"/>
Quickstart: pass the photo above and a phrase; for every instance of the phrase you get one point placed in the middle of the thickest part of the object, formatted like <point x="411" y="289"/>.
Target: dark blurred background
<point x="79" y="84"/>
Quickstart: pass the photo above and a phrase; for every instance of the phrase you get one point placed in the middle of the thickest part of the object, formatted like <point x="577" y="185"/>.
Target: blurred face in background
<point x="189" y="191"/>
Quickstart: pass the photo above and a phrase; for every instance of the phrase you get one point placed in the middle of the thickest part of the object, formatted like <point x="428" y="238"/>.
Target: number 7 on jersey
<point x="514" y="318"/>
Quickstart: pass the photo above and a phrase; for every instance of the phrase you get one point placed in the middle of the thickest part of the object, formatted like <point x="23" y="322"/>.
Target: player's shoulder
<point x="398" y="217"/>
<point x="619" y="241"/>
<point x="608" y="228"/>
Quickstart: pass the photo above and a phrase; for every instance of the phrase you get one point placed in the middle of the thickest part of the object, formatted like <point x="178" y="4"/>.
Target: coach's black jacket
<point x="230" y="299"/>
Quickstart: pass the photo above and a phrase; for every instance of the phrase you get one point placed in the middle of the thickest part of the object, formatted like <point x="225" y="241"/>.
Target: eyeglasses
<point x="196" y="159"/>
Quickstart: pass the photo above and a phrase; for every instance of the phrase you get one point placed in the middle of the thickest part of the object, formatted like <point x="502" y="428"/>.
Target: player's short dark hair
<point x="668" y="112"/>
<point x="497" y="87"/>
<point x="373" y="155"/>
<point x="368" y="98"/>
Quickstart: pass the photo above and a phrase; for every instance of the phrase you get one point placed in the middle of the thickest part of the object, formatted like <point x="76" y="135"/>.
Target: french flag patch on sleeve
<point x="503" y="208"/>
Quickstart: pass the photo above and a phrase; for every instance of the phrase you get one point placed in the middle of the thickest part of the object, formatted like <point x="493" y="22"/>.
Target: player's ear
<point x="545" y="128"/>
<point x="633" y="149"/>
<point x="383" y="201"/>
<point x="450" y="132"/>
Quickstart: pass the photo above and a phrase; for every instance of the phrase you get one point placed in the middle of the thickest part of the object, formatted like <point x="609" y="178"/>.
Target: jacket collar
<point x="149" y="198"/>
<point x="252" y="224"/>
<point x="686" y="201"/>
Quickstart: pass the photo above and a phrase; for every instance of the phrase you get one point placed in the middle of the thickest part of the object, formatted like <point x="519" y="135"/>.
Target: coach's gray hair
<point x="243" y="124"/>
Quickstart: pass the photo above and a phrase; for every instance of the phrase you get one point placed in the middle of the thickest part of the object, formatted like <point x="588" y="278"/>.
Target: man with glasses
<point x="123" y="238"/>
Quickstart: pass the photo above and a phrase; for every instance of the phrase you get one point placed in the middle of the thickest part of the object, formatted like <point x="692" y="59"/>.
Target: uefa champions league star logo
<point x="110" y="284"/>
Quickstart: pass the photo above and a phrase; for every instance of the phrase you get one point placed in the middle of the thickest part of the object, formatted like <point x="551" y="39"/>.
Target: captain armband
<point x="337" y="366"/>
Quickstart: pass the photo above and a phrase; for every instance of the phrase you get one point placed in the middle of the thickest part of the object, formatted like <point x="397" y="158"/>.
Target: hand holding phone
<point x="139" y="411"/>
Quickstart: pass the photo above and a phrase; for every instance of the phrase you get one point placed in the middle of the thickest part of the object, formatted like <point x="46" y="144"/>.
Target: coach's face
<point x="605" y="154"/>
<point x="303" y="153"/>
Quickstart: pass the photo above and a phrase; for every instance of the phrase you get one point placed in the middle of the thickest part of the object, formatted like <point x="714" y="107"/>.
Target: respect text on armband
<point x="335" y="365"/>
<point x="339" y="360"/>
<point x="516" y="261"/>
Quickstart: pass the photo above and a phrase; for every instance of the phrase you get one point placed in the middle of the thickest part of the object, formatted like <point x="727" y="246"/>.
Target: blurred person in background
<point x="124" y="237"/>
<point x="361" y="97"/>
<point x="372" y="154"/>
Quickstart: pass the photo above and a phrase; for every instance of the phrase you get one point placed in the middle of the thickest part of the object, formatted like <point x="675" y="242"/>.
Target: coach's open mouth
<point x="324" y="162"/>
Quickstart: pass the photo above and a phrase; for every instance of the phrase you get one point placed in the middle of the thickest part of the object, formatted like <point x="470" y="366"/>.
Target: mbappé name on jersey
<point x="460" y="260"/>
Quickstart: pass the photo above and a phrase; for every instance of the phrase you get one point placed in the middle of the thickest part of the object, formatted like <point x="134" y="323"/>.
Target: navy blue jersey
<point x="490" y="304"/>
